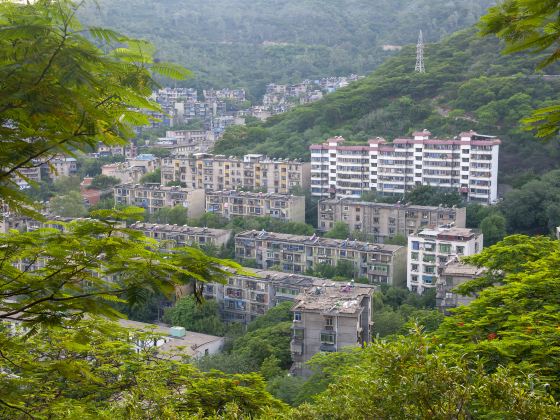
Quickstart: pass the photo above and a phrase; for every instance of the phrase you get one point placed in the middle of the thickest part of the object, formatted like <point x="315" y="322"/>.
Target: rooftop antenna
<point x="420" y="54"/>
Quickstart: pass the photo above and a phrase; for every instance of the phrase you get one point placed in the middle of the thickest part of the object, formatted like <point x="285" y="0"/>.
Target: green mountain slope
<point x="468" y="84"/>
<point x="249" y="43"/>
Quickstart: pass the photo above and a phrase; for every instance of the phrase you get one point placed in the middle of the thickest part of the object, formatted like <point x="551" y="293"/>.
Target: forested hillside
<point x="249" y="43"/>
<point x="468" y="84"/>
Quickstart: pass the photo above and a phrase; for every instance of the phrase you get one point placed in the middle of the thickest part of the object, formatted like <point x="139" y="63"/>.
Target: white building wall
<point x="423" y="274"/>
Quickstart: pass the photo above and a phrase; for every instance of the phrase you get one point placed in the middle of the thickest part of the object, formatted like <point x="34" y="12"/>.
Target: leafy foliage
<point x="194" y="316"/>
<point x="151" y="177"/>
<point x="409" y="378"/>
<point x="96" y="369"/>
<point x="530" y="25"/>
<point x="48" y="275"/>
<point x="69" y="205"/>
<point x="515" y="320"/>
<point x="78" y="86"/>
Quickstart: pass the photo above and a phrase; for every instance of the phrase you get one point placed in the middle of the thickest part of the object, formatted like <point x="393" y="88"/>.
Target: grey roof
<point x="318" y="241"/>
<point x="335" y="299"/>
<point x="404" y="206"/>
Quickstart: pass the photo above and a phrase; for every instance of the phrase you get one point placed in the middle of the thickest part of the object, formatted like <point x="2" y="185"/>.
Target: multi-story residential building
<point x="119" y="170"/>
<point x="56" y="167"/>
<point x="430" y="249"/>
<point x="184" y="235"/>
<point x="286" y="207"/>
<point x="382" y="220"/>
<point x="467" y="164"/>
<point x="187" y="142"/>
<point x="254" y="172"/>
<point x="245" y="297"/>
<point x="454" y="274"/>
<point x="329" y="318"/>
<point x="63" y="166"/>
<point x="379" y="263"/>
<point x="128" y="151"/>
<point x="153" y="197"/>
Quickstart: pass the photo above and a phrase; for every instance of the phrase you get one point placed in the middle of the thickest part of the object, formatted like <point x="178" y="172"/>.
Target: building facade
<point x="329" y="318"/>
<point x="228" y="204"/>
<point x="184" y="235"/>
<point x="430" y="249"/>
<point x="380" y="264"/>
<point x="454" y="274"/>
<point x="244" y="298"/>
<point x="253" y="172"/>
<point x="467" y="164"/>
<point x="382" y="220"/>
<point x="153" y="197"/>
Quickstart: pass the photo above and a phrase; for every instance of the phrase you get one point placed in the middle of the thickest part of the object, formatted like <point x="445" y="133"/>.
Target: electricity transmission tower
<point x="420" y="55"/>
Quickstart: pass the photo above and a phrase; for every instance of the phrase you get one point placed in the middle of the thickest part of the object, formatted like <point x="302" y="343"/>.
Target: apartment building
<point x="245" y="297"/>
<point x="187" y="142"/>
<point x="286" y="207"/>
<point x="253" y="172"/>
<point x="454" y="274"/>
<point x="153" y="197"/>
<point x="382" y="220"/>
<point x="467" y="164"/>
<point x="59" y="166"/>
<point x="329" y="318"/>
<point x="430" y="249"/>
<point x="380" y="264"/>
<point x="184" y="235"/>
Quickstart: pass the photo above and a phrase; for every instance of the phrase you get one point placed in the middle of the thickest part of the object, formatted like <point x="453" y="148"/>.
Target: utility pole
<point x="420" y="55"/>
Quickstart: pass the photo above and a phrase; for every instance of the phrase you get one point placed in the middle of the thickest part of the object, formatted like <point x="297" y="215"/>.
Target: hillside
<point x="468" y="84"/>
<point x="249" y="43"/>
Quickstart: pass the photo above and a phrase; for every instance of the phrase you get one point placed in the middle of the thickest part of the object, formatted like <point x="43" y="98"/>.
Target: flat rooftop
<point x="333" y="299"/>
<point x="404" y="206"/>
<point x="317" y="241"/>
<point x="250" y="194"/>
<point x="186" y="345"/>
<point x="186" y="230"/>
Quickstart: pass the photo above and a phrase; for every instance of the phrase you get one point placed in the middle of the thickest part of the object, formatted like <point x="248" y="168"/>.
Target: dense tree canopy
<point x="490" y="96"/>
<point x="530" y="25"/>
<point x="243" y="43"/>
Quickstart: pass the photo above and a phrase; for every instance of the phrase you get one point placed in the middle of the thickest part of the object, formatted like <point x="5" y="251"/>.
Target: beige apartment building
<point x="245" y="297"/>
<point x="381" y="220"/>
<point x="381" y="264"/>
<point x="286" y="207"/>
<point x="253" y="172"/>
<point x="153" y="197"/>
<point x="329" y="318"/>
<point x="184" y="235"/>
<point x="453" y="274"/>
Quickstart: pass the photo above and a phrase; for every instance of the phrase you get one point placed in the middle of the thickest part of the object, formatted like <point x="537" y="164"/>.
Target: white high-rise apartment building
<point x="467" y="164"/>
<point x="430" y="249"/>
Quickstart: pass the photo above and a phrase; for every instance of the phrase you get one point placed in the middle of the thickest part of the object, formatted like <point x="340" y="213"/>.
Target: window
<point x="445" y="248"/>
<point x="429" y="258"/>
<point x="415" y="245"/>
<point x="460" y="250"/>
<point x="297" y="316"/>
<point x="329" y="321"/>
<point x="328" y="338"/>
<point x="414" y="256"/>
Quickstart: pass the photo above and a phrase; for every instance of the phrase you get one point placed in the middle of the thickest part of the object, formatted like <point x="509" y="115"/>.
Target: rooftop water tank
<point x="177" y="332"/>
